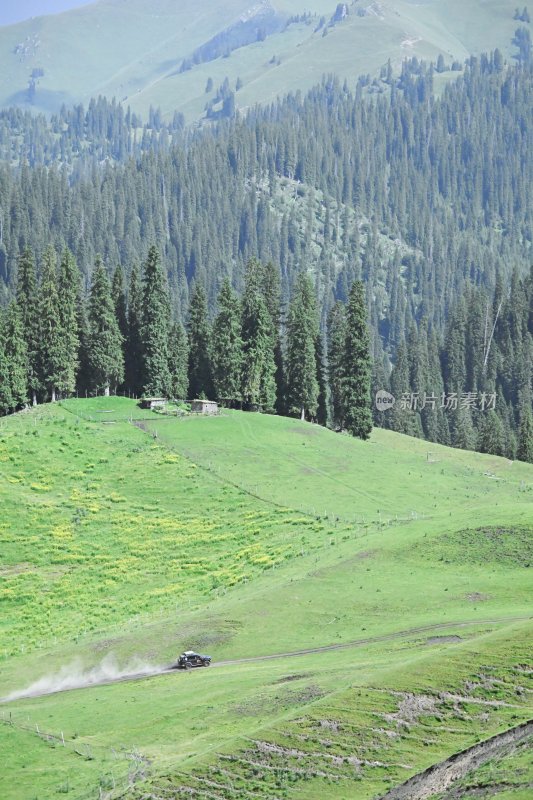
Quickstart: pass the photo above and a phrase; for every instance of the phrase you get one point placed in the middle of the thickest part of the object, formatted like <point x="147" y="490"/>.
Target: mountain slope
<point x="135" y="51"/>
<point x="138" y="542"/>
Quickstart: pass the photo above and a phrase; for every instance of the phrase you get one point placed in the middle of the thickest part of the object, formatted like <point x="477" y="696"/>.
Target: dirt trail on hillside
<point x="52" y="684"/>
<point x="441" y="776"/>
<point x="387" y="637"/>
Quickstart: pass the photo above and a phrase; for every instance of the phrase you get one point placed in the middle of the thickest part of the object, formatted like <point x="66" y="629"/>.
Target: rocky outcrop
<point x="439" y="777"/>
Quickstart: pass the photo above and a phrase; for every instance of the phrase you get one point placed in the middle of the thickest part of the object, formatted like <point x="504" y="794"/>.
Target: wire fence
<point x="131" y="765"/>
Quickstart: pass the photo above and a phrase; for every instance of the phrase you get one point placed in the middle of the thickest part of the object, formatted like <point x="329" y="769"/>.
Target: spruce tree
<point x="401" y="419"/>
<point x="454" y="350"/>
<point x="68" y="304"/>
<point x="258" y="382"/>
<point x="27" y="303"/>
<point x="134" y="347"/>
<point x="271" y="289"/>
<point x="16" y="357"/>
<point x="463" y="434"/>
<point x="6" y="401"/>
<point x="51" y="346"/>
<point x="336" y="348"/>
<point x="357" y="366"/>
<point x="178" y="361"/>
<point x="525" y="436"/>
<point x="118" y="295"/>
<point x="302" y="332"/>
<point x="155" y="328"/>
<point x="491" y="436"/>
<point x="322" y="407"/>
<point x="83" y="379"/>
<point x="200" y="370"/>
<point x="104" y="341"/>
<point x="227" y="347"/>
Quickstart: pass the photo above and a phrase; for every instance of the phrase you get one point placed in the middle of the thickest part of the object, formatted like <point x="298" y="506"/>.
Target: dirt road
<point x="409" y="632"/>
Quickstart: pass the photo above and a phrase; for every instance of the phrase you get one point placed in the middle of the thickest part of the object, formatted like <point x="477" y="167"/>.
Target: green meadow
<point x="402" y="569"/>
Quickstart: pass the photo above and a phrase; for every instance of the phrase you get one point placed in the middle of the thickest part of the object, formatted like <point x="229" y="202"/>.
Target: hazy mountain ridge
<point x="252" y="26"/>
<point x="134" y="51"/>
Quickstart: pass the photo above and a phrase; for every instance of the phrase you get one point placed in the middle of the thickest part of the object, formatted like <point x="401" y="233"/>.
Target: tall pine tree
<point x="336" y="364"/>
<point x="259" y="368"/>
<point x="322" y="407"/>
<point x="178" y="361"/>
<point x="133" y="359"/>
<point x="357" y="366"/>
<point x="200" y="370"/>
<point x="16" y="358"/>
<point x="104" y="341"/>
<point x="227" y="348"/>
<point x="51" y="345"/>
<point x="6" y="402"/>
<point x="118" y="295"/>
<point x="155" y="328"/>
<point x="525" y="436"/>
<point x="68" y="304"/>
<point x="302" y="332"/>
<point x="27" y="303"/>
<point x="271" y="289"/>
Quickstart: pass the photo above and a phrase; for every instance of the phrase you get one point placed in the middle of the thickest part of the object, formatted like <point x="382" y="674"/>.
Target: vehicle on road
<point x="190" y="659"/>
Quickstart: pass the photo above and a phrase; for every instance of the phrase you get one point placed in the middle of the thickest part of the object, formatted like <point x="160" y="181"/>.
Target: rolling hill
<point x="161" y="53"/>
<point x="366" y="604"/>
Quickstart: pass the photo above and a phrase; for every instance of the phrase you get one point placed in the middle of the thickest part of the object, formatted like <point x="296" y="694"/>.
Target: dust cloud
<point x="75" y="676"/>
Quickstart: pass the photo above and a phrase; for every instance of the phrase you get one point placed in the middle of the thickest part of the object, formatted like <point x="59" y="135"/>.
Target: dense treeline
<point x="425" y="200"/>
<point x="54" y="342"/>
<point x="417" y="196"/>
<point x="80" y="139"/>
<point x="473" y="387"/>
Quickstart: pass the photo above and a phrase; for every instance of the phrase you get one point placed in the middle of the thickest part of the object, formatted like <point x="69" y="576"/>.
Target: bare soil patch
<point x="478" y="597"/>
<point x="440" y="777"/>
<point x="443" y="639"/>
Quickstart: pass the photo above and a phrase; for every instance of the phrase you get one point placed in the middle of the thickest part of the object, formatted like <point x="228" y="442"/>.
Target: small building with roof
<point x="207" y="407"/>
<point x="153" y="402"/>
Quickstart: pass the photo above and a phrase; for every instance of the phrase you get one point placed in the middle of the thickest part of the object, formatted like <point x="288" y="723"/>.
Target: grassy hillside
<point x="133" y="51"/>
<point x="403" y="575"/>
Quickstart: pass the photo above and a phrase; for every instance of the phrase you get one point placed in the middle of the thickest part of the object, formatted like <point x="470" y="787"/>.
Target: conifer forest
<point x="296" y="259"/>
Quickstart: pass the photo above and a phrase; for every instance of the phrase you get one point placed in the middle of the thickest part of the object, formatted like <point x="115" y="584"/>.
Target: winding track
<point x="291" y="654"/>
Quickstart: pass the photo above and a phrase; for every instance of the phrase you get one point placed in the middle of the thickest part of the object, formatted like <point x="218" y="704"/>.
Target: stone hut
<point x="208" y="407"/>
